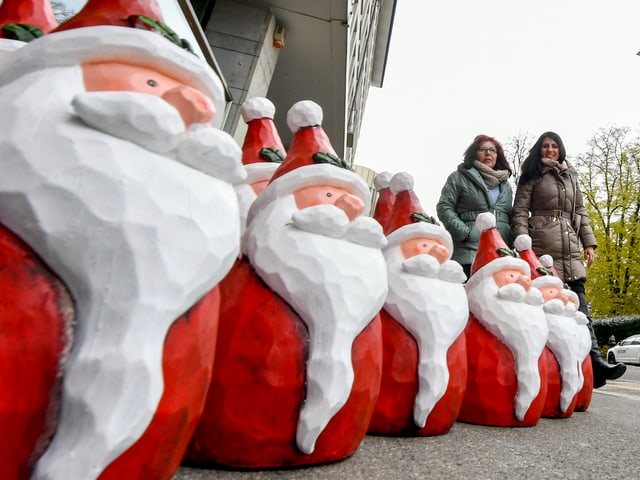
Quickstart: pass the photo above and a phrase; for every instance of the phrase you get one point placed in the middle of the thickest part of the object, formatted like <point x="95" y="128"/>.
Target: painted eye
<point x="152" y="83"/>
<point x="329" y="194"/>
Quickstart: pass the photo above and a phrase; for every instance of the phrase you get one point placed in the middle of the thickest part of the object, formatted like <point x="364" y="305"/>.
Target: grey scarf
<point x="492" y="178"/>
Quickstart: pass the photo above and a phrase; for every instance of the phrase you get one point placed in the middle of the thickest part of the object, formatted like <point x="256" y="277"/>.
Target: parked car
<point x="626" y="351"/>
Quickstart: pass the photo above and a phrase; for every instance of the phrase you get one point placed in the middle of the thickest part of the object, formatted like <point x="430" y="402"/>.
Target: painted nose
<point x="351" y="205"/>
<point x="440" y="252"/>
<point x="563" y="296"/>
<point x="524" y="281"/>
<point x="193" y="105"/>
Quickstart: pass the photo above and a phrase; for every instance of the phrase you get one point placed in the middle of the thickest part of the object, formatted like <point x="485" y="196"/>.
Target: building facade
<point x="328" y="51"/>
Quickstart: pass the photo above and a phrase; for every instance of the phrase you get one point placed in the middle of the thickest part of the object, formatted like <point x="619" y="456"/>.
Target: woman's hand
<point x="589" y="255"/>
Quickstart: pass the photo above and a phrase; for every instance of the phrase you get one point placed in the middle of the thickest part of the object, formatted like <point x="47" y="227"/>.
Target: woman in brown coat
<point x="548" y="206"/>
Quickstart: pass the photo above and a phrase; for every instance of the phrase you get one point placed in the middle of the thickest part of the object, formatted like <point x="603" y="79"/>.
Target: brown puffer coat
<point x="557" y="213"/>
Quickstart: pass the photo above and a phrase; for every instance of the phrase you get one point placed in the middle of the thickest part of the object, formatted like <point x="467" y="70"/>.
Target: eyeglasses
<point x="490" y="150"/>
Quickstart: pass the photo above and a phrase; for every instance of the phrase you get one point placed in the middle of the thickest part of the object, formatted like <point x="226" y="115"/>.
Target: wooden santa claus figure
<point x="424" y="369"/>
<point x="298" y="360"/>
<point x="118" y="178"/>
<point x="506" y="335"/>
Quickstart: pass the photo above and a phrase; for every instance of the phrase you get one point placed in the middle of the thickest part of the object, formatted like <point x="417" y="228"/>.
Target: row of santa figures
<point x="170" y="295"/>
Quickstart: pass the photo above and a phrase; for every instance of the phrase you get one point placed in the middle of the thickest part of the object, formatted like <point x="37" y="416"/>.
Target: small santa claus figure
<point x="506" y="334"/>
<point x="562" y="355"/>
<point x="262" y="152"/>
<point x="424" y="372"/>
<point x="116" y="175"/>
<point x="298" y="364"/>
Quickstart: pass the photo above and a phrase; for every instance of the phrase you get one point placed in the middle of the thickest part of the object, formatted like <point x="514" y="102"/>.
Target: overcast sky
<point x="457" y="68"/>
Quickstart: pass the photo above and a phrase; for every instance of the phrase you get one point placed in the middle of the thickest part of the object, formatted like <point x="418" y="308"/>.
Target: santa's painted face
<point x="342" y="198"/>
<point x="193" y="105"/>
<point x="431" y="246"/>
<point x="511" y="275"/>
<point x="550" y="292"/>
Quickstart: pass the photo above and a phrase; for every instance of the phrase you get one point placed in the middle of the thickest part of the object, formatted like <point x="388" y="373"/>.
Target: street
<point x="602" y="442"/>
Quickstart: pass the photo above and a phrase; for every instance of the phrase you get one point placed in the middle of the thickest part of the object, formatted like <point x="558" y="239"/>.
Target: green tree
<point x="609" y="179"/>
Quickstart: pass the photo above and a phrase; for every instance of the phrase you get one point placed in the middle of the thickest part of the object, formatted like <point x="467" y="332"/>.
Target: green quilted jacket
<point x="463" y="197"/>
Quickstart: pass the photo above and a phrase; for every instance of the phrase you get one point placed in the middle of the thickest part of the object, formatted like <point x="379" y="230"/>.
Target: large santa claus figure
<point x="298" y="362"/>
<point x="506" y="335"/>
<point x="562" y="355"/>
<point x="115" y="175"/>
<point x="424" y="369"/>
<point x="262" y="152"/>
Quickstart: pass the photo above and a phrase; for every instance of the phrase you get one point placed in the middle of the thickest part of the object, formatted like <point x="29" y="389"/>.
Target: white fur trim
<point x="304" y="114"/>
<point x="317" y="174"/>
<point x="256" y="108"/>
<point x="547" y="280"/>
<point x="8" y="45"/>
<point x="420" y="229"/>
<point x="382" y="180"/>
<point x="485" y="221"/>
<point x="522" y="242"/>
<point x="546" y="260"/>
<point x="400" y="182"/>
<point x="259" y="171"/>
<point x="117" y="44"/>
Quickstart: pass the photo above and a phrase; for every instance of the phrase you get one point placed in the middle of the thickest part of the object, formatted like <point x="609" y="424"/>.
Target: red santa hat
<point x="384" y="204"/>
<point x="540" y="274"/>
<point x="112" y="12"/>
<point x="310" y="160"/>
<point x="35" y="13"/>
<point x="89" y="37"/>
<point x="262" y="149"/>
<point x="493" y="254"/>
<point x="408" y="220"/>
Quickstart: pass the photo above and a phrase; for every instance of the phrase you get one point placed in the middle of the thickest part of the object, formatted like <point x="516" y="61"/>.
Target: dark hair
<point x="470" y="153"/>
<point x="532" y="166"/>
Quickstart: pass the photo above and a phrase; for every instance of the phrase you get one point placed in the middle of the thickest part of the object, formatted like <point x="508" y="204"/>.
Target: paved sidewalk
<point x="578" y="447"/>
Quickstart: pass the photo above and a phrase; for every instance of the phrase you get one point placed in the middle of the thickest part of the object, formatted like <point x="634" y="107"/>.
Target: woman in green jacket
<point x="480" y="184"/>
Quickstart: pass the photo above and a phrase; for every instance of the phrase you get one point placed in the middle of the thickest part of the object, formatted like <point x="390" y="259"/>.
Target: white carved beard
<point x="337" y="287"/>
<point x="246" y="196"/>
<point x="136" y="237"/>
<point x="520" y="326"/>
<point x="435" y="313"/>
<point x="564" y="342"/>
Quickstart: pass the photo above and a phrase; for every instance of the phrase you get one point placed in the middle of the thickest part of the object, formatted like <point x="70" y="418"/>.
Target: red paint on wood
<point x="584" y="396"/>
<point x="492" y="383"/>
<point x="393" y="414"/>
<point x="35" y="330"/>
